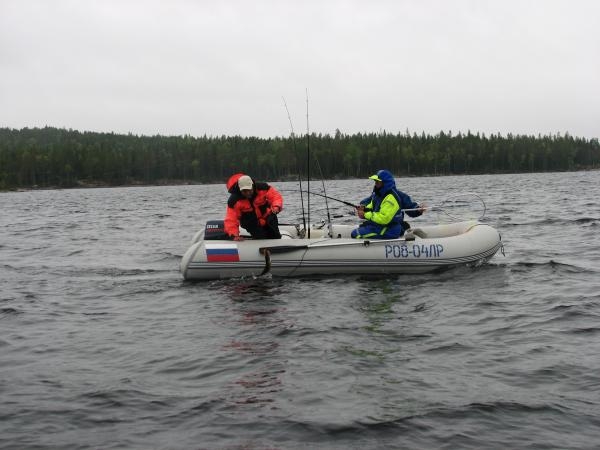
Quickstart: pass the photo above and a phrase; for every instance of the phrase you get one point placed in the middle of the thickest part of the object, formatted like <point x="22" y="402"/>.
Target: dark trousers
<point x="269" y="231"/>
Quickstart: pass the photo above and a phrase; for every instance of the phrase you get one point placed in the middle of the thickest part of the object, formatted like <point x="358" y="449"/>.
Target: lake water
<point x="103" y="345"/>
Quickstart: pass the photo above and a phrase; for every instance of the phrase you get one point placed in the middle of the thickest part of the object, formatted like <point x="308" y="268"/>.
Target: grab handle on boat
<point x="282" y="249"/>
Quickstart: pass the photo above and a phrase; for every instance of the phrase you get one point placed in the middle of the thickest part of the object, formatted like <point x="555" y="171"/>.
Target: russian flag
<point x="222" y="252"/>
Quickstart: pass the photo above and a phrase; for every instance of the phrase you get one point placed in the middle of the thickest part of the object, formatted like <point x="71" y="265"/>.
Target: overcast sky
<point x="222" y="67"/>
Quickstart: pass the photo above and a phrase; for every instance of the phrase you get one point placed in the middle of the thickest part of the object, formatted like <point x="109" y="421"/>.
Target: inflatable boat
<point x="328" y="249"/>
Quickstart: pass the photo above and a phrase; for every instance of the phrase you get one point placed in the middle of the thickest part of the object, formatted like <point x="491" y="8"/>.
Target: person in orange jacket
<point x="254" y="206"/>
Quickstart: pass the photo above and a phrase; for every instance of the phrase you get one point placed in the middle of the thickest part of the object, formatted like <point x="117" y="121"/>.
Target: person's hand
<point x="238" y="238"/>
<point x="360" y="211"/>
<point x="422" y="207"/>
<point x="276" y="209"/>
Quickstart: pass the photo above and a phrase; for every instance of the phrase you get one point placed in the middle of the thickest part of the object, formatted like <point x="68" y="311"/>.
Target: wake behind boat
<point x="331" y="251"/>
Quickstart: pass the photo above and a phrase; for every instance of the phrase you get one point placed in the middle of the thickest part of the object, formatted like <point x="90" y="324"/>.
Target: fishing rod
<point x="460" y="204"/>
<point x="307" y="164"/>
<point x="297" y="167"/>
<point x="333" y="198"/>
<point x="457" y="203"/>
<point x="330" y="225"/>
<point x="442" y="207"/>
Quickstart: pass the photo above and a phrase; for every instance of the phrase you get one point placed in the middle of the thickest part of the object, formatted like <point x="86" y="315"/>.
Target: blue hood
<point x="388" y="182"/>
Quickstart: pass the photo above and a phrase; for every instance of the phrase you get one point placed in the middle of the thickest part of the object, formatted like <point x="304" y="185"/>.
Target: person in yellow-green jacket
<point x="384" y="209"/>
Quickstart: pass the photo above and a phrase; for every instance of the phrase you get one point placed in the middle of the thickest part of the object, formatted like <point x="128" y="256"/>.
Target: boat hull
<point x="423" y="250"/>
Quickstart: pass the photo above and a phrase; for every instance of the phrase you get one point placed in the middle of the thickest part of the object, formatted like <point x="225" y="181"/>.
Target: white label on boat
<point x="207" y="245"/>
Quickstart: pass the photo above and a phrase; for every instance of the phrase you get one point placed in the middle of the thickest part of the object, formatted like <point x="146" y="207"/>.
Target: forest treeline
<point x="57" y="157"/>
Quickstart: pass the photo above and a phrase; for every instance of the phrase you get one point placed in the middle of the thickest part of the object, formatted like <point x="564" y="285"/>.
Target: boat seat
<point x="412" y="233"/>
<point x="419" y="232"/>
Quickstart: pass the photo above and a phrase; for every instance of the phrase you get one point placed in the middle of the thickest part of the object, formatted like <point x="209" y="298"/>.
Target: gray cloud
<point x="222" y="67"/>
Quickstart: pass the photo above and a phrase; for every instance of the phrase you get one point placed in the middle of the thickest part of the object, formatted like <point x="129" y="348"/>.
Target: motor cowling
<point x="215" y="230"/>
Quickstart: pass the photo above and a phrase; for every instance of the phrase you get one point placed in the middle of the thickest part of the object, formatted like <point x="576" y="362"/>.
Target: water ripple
<point x="104" y="345"/>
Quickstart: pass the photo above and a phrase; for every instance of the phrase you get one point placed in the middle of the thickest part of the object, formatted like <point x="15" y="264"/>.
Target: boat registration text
<point x="415" y="251"/>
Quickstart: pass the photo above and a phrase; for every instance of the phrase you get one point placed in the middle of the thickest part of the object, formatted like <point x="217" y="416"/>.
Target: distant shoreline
<point x="166" y="183"/>
<point x="98" y="185"/>
<point x="59" y="158"/>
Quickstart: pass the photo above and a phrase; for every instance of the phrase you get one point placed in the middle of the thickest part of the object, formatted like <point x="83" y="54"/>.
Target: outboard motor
<point x="215" y="230"/>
